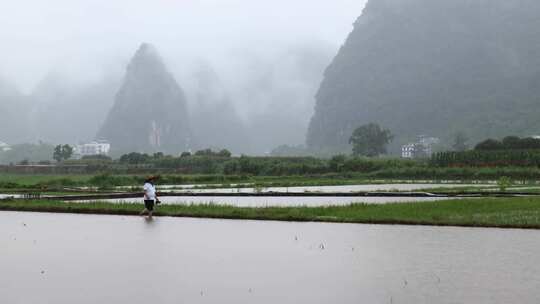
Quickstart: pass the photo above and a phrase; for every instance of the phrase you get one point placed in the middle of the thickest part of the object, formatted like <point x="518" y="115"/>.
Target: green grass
<point x="56" y="182"/>
<point x="487" y="189"/>
<point x="459" y="189"/>
<point x="33" y="179"/>
<point x="485" y="212"/>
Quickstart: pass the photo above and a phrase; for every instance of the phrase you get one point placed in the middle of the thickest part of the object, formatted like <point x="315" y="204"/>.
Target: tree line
<point x="509" y="143"/>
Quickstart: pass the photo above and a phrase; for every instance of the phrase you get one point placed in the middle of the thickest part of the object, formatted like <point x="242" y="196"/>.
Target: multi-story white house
<point x="4" y="147"/>
<point x="422" y="148"/>
<point x="428" y="143"/>
<point x="407" y="151"/>
<point x="100" y="147"/>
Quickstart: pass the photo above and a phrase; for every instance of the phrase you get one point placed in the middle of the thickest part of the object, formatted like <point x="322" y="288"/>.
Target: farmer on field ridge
<point x="150" y="196"/>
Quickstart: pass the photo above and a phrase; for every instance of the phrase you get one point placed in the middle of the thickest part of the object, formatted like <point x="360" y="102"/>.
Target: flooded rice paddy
<point x="282" y="201"/>
<point x="342" y="188"/>
<point x="312" y="201"/>
<point x="4" y="196"/>
<point x="61" y="258"/>
<point x="279" y="201"/>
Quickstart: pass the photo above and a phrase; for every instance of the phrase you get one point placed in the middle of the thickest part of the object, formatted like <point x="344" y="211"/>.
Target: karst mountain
<point x="434" y="68"/>
<point x="150" y="110"/>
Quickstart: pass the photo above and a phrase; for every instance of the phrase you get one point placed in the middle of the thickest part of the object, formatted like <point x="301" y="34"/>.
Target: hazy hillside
<point x="149" y="113"/>
<point x="279" y="96"/>
<point x="434" y="67"/>
<point x="66" y="113"/>
<point x="215" y="122"/>
<point x="13" y="114"/>
<point x="251" y="107"/>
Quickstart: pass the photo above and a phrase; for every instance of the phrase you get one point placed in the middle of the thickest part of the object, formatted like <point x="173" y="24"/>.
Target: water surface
<point x="61" y="258"/>
<point x="3" y="196"/>
<point x="342" y="188"/>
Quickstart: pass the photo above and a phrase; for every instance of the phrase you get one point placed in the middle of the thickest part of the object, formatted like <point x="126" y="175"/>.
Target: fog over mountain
<point x="435" y="68"/>
<point x="66" y="59"/>
<point x="150" y="109"/>
<point x="64" y="112"/>
<point x="285" y="96"/>
<point x="254" y="75"/>
<point x="13" y="113"/>
<point x="214" y="119"/>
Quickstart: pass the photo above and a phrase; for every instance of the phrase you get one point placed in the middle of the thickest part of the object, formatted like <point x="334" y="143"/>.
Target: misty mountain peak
<point x="146" y="53"/>
<point x="147" y="61"/>
<point x="150" y="111"/>
<point x="146" y="47"/>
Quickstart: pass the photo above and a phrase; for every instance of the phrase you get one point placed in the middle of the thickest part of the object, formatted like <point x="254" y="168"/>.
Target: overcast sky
<point x="85" y="39"/>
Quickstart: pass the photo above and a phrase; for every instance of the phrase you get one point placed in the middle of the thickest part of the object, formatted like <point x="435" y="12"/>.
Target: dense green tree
<point x="57" y="154"/>
<point x="134" y="158"/>
<point x="62" y="152"/>
<point x="529" y="143"/>
<point x="370" y="140"/>
<point x="511" y="142"/>
<point x="489" y="144"/>
<point x="205" y="152"/>
<point x="337" y="163"/>
<point x="99" y="157"/>
<point x="68" y="151"/>
<point x="210" y="153"/>
<point x="224" y="153"/>
<point x="158" y="155"/>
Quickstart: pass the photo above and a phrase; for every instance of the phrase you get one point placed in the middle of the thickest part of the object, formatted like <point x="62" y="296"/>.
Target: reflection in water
<point x="126" y="259"/>
<point x="150" y="224"/>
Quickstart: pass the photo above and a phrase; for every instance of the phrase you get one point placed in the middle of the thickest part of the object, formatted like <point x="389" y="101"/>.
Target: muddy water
<point x="263" y="201"/>
<point x="59" y="258"/>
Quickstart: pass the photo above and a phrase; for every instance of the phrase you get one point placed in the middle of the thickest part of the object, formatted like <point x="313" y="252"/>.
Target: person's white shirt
<point x="150" y="191"/>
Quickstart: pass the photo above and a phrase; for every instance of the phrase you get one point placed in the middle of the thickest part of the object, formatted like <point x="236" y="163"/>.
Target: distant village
<point x="423" y="147"/>
<point x="98" y="147"/>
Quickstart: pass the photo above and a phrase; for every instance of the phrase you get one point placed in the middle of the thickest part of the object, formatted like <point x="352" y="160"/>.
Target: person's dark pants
<point x="149" y="205"/>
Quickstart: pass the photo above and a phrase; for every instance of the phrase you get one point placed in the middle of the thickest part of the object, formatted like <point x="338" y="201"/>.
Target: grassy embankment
<point x="485" y="212"/>
<point x="14" y="182"/>
<point x="105" y="183"/>
<point x="36" y="179"/>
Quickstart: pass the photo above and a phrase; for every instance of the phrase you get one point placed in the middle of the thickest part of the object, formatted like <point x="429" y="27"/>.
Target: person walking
<point x="150" y="196"/>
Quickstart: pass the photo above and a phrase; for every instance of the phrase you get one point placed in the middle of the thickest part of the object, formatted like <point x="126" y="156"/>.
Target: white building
<point x="422" y="148"/>
<point x="407" y="151"/>
<point x="100" y="147"/>
<point x="4" y="147"/>
<point x="428" y="143"/>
